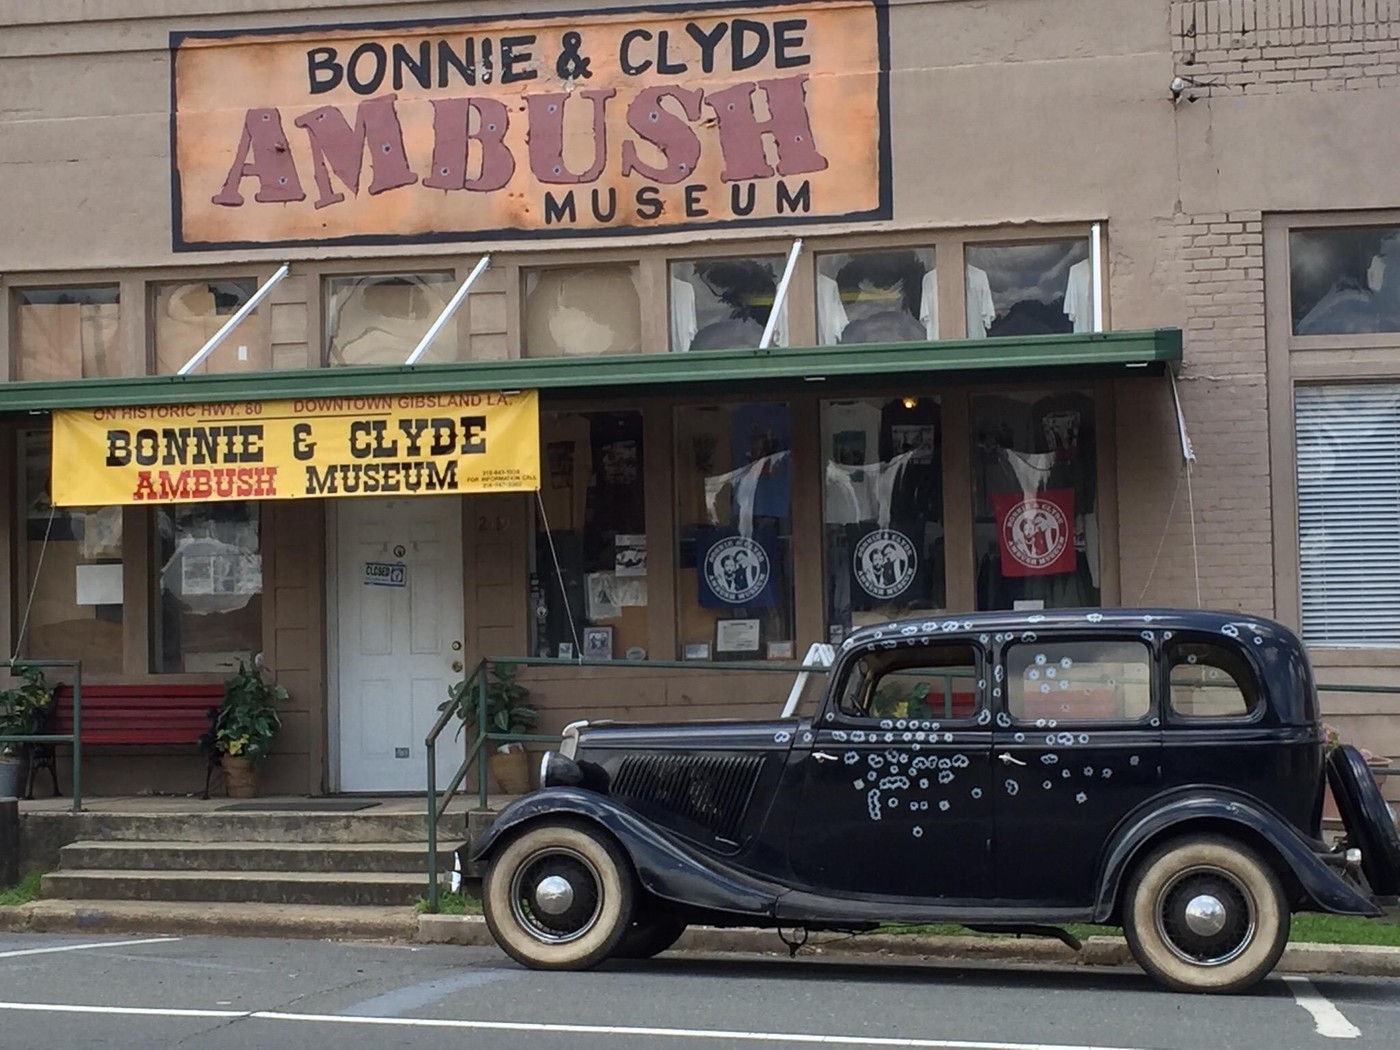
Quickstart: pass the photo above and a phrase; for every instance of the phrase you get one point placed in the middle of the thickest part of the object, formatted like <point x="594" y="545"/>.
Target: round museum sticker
<point x="885" y="563"/>
<point x="737" y="569"/>
<point x="1035" y="533"/>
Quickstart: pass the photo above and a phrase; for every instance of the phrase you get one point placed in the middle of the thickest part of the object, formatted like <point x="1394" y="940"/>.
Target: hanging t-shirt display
<point x="760" y="434"/>
<point x="888" y="565"/>
<point x="1035" y="532"/>
<point x="616" y="439"/>
<point x="736" y="570"/>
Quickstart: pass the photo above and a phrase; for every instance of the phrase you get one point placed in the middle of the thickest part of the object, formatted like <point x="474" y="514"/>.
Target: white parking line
<point x="84" y="947"/>
<point x="796" y="1038"/>
<point x="1330" y="1021"/>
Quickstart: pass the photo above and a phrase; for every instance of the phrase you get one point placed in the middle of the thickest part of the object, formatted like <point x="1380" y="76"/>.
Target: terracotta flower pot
<point x="511" y="770"/>
<point x="242" y="777"/>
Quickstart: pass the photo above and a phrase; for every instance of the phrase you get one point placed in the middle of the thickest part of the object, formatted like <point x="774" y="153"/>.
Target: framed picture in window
<point x="597" y="643"/>
<point x="739" y="639"/>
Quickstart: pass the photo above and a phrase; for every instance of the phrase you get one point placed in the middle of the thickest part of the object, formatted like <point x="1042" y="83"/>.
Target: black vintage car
<point x="1162" y="771"/>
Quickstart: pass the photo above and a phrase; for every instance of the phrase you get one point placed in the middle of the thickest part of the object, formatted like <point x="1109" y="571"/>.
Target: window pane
<point x="1029" y="289"/>
<point x="1348" y="514"/>
<point x="582" y="312"/>
<point x="209" y="587"/>
<point x="877" y="297"/>
<point x="1079" y="681"/>
<point x="73" y="558"/>
<point x="734" y="486"/>
<point x="68" y="333"/>
<point x="185" y="316"/>
<point x="723" y="304"/>
<point x="1035" y="481"/>
<point x="883" y="507"/>
<point x="594" y="523"/>
<point x="379" y="319"/>
<point x="1345" y="281"/>
<point x="938" y="683"/>
<point x="1208" y="681"/>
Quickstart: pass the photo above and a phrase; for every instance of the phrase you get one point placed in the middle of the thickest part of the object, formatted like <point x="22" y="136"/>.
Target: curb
<point x="1351" y="960"/>
<point x="210" y="919"/>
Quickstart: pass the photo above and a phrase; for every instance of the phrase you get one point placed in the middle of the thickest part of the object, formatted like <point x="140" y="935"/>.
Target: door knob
<point x="1010" y="760"/>
<point x="457" y="665"/>
<point x="822" y="756"/>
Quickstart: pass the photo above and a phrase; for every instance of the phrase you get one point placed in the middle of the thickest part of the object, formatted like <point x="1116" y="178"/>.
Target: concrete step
<point x="257" y="887"/>
<point x="327" y="857"/>
<point x="360" y="827"/>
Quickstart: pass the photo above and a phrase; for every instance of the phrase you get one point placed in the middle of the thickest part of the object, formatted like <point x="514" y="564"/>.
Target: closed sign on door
<point x="386" y="574"/>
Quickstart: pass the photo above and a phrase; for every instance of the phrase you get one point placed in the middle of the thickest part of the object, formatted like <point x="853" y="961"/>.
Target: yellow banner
<point x="526" y="124"/>
<point x="392" y="445"/>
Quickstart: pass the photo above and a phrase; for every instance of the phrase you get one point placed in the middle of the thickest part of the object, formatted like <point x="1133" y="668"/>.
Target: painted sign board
<point x="616" y="120"/>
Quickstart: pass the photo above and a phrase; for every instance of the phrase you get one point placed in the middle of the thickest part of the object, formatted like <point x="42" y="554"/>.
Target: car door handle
<point x="1010" y="760"/>
<point x="822" y="756"/>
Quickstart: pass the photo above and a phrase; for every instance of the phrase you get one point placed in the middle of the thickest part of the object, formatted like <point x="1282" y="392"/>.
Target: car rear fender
<point x="665" y="866"/>
<point x="1217" y="811"/>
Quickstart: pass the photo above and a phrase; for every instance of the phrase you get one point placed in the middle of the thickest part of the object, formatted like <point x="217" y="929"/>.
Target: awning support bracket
<point x="448" y="311"/>
<point x="780" y="297"/>
<point x="254" y="301"/>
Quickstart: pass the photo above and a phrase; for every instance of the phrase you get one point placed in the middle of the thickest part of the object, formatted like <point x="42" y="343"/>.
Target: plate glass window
<point x="1064" y="681"/>
<point x="724" y="304"/>
<point x="734" y="514"/>
<point x="877" y="297"/>
<point x="187" y="314"/>
<point x="208" y="587"/>
<point x="68" y="333"/>
<point x="590" y="540"/>
<point x="1029" y="289"/>
<point x="584" y="311"/>
<point x="1345" y="281"/>
<point x="883" y="510"/>
<point x="378" y="319"/>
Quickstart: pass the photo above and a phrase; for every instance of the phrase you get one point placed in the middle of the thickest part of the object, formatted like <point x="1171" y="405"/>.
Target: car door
<point x="895" y="795"/>
<point x="1077" y="747"/>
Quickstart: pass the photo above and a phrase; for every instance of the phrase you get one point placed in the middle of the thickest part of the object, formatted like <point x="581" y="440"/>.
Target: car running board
<point x="1064" y="936"/>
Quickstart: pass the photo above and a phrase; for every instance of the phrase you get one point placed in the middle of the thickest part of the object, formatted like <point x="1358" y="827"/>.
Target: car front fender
<point x="666" y="867"/>
<point x="1323" y="884"/>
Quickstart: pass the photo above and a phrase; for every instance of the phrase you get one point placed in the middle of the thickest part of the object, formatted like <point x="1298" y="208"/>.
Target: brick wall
<point x="1218" y="259"/>
<point x="1268" y="46"/>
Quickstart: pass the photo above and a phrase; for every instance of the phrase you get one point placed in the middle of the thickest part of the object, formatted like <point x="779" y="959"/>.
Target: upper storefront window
<point x="1035" y="500"/>
<point x="590" y="540"/>
<point x="582" y="311"/>
<point x="1345" y="281"/>
<point x="186" y="315"/>
<point x="877" y="297"/>
<point x="883" y="509"/>
<point x="734" y="491"/>
<point x="724" y="304"/>
<point x="68" y="333"/>
<point x="1029" y="289"/>
<point x="380" y="319"/>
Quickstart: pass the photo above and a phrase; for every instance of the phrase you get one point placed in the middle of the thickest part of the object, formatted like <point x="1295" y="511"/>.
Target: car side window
<point x="1106" y="680"/>
<point x="1210" y="681"/>
<point x="932" y="683"/>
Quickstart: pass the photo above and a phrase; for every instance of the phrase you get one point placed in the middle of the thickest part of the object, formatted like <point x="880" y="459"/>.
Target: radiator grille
<point x="709" y="790"/>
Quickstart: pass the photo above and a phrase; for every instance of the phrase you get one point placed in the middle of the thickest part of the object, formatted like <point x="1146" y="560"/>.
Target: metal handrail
<point x="74" y="738"/>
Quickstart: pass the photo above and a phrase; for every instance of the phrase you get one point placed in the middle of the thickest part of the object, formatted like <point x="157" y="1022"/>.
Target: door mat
<point x="334" y="805"/>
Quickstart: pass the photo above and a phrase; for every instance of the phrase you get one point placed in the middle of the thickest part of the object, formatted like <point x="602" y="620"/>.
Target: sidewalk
<point x="403" y="924"/>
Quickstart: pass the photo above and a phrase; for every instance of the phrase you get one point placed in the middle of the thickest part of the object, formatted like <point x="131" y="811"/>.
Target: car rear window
<point x="1105" y="680"/>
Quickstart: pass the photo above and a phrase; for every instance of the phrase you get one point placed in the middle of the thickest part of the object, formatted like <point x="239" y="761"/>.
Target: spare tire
<point x="1370" y="826"/>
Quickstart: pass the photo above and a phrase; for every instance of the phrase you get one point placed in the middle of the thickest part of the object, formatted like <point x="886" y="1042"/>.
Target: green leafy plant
<point x="248" y="718"/>
<point x="506" y="707"/>
<point x="24" y="709"/>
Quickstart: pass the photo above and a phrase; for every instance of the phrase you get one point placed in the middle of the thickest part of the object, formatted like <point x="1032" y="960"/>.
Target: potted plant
<point x="23" y="712"/>
<point x="245" y="727"/>
<point x="506" y="712"/>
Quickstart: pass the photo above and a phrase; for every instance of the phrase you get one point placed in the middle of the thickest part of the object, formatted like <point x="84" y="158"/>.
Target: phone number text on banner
<point x="311" y="448"/>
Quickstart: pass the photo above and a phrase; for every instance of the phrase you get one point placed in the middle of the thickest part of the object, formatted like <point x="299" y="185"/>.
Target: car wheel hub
<point x="556" y="895"/>
<point x="1205" y="916"/>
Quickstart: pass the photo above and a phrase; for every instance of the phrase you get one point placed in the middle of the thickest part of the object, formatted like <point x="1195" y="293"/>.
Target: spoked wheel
<point x="559" y="897"/>
<point x="649" y="936"/>
<point x="1206" y="915"/>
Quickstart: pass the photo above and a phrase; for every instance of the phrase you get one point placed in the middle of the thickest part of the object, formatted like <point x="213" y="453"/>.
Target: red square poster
<point x="1035" y="533"/>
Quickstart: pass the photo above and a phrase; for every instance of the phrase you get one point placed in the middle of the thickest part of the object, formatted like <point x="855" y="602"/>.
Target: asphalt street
<point x="74" y="992"/>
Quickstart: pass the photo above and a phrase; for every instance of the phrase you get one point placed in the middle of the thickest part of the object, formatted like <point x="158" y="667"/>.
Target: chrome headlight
<point x="558" y="770"/>
<point x="569" y="746"/>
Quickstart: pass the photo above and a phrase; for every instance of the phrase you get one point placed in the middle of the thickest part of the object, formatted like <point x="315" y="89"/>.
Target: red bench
<point x="172" y="715"/>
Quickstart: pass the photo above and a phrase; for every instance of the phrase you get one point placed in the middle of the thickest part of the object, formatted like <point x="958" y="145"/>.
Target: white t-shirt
<point x="683" y="323"/>
<point x="1079" y="297"/>
<point x="851" y="448"/>
<point x="981" y="311"/>
<point x="831" y="312"/>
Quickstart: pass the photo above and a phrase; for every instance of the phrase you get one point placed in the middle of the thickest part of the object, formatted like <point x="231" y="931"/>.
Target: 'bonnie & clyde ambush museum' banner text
<point x="401" y="444"/>
<point x="591" y="122"/>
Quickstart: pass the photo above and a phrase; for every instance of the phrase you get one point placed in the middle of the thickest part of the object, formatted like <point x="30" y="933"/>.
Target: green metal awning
<point x="1018" y="358"/>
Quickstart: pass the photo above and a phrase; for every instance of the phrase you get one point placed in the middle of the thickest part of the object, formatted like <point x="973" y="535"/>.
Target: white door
<point x="399" y="634"/>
